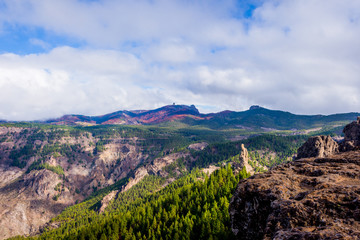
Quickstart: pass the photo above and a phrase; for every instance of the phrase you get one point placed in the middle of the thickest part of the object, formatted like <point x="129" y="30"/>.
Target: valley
<point x="58" y="180"/>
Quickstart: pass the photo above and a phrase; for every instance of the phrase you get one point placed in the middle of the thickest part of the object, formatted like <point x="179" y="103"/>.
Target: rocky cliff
<point x="44" y="171"/>
<point x="310" y="198"/>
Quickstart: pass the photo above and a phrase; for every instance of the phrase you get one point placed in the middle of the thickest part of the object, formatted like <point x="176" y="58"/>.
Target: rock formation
<point x="310" y="198"/>
<point x="318" y="146"/>
<point x="313" y="198"/>
<point x="244" y="160"/>
<point x="351" y="137"/>
<point x="198" y="146"/>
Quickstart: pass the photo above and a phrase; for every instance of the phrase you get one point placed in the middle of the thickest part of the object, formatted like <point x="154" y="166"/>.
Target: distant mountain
<point x="137" y="117"/>
<point x="255" y="118"/>
<point x="266" y="119"/>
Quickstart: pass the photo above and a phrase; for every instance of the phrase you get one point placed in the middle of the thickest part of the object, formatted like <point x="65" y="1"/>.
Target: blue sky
<point x="95" y="57"/>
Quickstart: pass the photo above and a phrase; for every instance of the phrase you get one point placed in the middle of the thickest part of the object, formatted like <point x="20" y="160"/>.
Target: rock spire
<point x="244" y="160"/>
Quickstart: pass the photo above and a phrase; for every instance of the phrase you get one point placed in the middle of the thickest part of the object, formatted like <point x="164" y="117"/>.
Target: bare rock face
<point x="139" y="175"/>
<point x="313" y="198"/>
<point x="42" y="183"/>
<point x="318" y="146"/>
<point x="27" y="204"/>
<point x="352" y="137"/>
<point x="198" y="146"/>
<point x="155" y="169"/>
<point x="106" y="200"/>
<point x="244" y="160"/>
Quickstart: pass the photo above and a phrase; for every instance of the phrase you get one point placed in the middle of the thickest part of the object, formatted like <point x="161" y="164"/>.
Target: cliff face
<point x="309" y="198"/>
<point x="70" y="168"/>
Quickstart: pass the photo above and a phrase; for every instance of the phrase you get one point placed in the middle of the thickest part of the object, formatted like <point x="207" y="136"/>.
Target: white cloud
<point x="40" y="43"/>
<point x="82" y="81"/>
<point x="300" y="55"/>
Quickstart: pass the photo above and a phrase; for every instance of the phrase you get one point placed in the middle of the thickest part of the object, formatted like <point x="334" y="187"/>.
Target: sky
<point x="99" y="56"/>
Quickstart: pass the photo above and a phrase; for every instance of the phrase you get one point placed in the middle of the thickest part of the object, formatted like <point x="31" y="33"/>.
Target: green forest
<point x="193" y="207"/>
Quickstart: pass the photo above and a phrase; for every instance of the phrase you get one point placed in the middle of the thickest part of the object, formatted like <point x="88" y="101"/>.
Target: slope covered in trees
<point x="283" y="147"/>
<point x="193" y="207"/>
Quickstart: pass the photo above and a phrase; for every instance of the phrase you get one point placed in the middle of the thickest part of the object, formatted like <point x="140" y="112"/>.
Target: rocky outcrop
<point x="313" y="198"/>
<point x="318" y="146"/>
<point x="198" y="146"/>
<point x="139" y="175"/>
<point x="155" y="168"/>
<point x="106" y="200"/>
<point x="351" y="137"/>
<point x="209" y="170"/>
<point x="244" y="160"/>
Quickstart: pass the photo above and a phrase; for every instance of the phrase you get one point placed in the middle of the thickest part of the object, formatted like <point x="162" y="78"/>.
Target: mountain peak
<point x="175" y="107"/>
<point x="254" y="107"/>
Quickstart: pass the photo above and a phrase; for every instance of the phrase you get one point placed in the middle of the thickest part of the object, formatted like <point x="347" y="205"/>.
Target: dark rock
<point x="254" y="107"/>
<point x="318" y="146"/>
<point x="303" y="199"/>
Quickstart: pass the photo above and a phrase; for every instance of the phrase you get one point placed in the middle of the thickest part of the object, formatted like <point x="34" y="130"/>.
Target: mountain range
<point x="254" y="118"/>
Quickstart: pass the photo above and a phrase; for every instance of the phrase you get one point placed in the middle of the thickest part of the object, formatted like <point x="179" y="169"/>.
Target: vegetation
<point x="193" y="207"/>
<point x="38" y="165"/>
<point x="284" y="147"/>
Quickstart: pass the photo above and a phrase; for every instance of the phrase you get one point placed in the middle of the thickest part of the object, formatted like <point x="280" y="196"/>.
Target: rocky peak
<point x="254" y="107"/>
<point x="318" y="146"/>
<point x="244" y="160"/>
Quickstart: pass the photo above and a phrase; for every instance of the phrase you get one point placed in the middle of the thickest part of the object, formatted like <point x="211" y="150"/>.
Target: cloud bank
<point x="301" y="56"/>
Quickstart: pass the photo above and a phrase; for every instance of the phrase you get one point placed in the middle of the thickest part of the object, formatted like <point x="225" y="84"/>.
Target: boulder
<point x="318" y="146"/>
